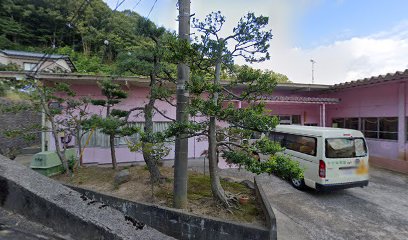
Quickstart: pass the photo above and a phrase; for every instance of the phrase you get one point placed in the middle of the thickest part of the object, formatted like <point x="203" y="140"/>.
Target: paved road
<point x="14" y="226"/>
<point x="379" y="211"/>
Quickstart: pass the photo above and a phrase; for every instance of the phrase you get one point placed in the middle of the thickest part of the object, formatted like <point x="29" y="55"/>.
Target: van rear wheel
<point x="298" y="183"/>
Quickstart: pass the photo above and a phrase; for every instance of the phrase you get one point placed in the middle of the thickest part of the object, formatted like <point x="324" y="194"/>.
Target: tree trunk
<point x="181" y="145"/>
<point x="111" y="141"/>
<point x="148" y="129"/>
<point x="216" y="188"/>
<point x="79" y="144"/>
<point x="85" y="46"/>
<point x="112" y="148"/>
<point x="60" y="153"/>
<point x="154" y="171"/>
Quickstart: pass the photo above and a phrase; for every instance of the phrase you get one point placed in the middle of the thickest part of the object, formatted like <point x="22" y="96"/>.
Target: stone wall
<point x="9" y="121"/>
<point x="182" y="225"/>
<point x="65" y="211"/>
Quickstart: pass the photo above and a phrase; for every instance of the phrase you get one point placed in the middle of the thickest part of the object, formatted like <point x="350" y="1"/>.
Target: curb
<point x="267" y="209"/>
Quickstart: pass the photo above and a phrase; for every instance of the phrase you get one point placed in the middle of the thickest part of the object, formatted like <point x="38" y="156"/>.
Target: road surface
<point x="379" y="211"/>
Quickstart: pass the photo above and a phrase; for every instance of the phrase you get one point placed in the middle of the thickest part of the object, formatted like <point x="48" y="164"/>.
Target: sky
<point x="348" y="39"/>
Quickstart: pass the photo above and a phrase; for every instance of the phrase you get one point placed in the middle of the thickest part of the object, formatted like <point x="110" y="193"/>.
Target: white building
<point x="31" y="61"/>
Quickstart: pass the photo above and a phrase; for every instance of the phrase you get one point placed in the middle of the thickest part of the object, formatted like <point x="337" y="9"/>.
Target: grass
<point x="16" y="96"/>
<point x="199" y="196"/>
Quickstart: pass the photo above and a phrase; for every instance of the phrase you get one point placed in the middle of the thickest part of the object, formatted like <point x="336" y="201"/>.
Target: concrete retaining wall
<point x="66" y="211"/>
<point x="179" y="224"/>
<point x="267" y="209"/>
<point x="9" y="121"/>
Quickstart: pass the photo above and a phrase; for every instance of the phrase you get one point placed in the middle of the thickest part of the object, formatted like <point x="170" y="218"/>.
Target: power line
<point x="136" y="5"/>
<point x="118" y="4"/>
<point x="152" y="8"/>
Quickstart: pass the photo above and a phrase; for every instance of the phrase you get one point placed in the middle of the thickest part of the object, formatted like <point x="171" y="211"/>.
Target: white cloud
<point x="338" y="61"/>
<point x="344" y="60"/>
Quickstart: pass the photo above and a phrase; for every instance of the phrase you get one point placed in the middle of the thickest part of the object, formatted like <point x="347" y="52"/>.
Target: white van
<point x="332" y="158"/>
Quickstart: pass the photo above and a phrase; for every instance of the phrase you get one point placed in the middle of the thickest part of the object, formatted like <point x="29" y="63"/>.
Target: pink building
<point x="377" y="106"/>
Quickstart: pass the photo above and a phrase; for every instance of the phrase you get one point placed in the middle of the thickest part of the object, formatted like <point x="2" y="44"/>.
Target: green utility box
<point x="48" y="163"/>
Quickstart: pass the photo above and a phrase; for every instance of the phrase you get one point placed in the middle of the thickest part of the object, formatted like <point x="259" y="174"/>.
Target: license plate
<point x="349" y="171"/>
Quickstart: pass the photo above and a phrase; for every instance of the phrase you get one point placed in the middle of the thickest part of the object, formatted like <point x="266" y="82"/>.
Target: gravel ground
<point x="233" y="172"/>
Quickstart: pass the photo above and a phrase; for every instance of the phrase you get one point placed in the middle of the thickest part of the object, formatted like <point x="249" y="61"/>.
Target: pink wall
<point x="309" y="112"/>
<point x="137" y="96"/>
<point x="380" y="100"/>
<point x="373" y="101"/>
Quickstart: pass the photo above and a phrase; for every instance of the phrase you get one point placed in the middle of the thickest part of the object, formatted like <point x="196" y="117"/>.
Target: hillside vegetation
<point x="92" y="34"/>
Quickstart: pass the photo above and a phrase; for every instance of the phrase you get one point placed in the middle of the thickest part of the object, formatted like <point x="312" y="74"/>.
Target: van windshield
<point x="345" y="147"/>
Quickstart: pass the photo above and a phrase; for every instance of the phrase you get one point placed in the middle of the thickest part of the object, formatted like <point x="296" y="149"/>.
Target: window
<point x="29" y="66"/>
<point x="289" y="119"/>
<point x="285" y="120"/>
<point x="277" y="137"/>
<point x="296" y="119"/>
<point x="157" y="127"/>
<point x="99" y="139"/>
<point x="351" y="123"/>
<point x="338" y="123"/>
<point x="345" y="148"/>
<point x="298" y="143"/>
<point x="406" y="129"/>
<point x="389" y="128"/>
<point x="381" y="128"/>
<point x="370" y="127"/>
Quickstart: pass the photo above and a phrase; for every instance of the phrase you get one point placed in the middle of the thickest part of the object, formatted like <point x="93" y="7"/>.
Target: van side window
<point x="302" y="144"/>
<point x="298" y="143"/>
<point x="277" y="137"/>
<point x="256" y="135"/>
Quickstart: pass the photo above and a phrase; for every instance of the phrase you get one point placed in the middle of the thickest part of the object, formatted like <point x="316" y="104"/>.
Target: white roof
<point x="318" y="131"/>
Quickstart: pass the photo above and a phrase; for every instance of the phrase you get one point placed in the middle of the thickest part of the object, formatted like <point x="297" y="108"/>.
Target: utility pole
<point x="313" y="63"/>
<point x="181" y="146"/>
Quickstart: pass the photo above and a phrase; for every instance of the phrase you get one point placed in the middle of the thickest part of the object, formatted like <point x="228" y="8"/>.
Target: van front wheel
<point x="298" y="183"/>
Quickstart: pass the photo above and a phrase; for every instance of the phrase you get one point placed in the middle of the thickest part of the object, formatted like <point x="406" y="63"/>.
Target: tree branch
<point x="231" y="93"/>
<point x="226" y="143"/>
<point x="132" y="110"/>
<point x="161" y="113"/>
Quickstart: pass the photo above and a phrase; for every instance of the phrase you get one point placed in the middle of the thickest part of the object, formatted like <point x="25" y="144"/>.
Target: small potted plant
<point x="243" y="199"/>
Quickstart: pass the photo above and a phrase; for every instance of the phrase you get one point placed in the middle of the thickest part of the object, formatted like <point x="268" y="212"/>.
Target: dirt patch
<point x="200" y="199"/>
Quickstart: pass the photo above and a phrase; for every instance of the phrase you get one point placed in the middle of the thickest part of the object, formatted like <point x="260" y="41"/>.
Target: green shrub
<point x="71" y="162"/>
<point x="278" y="164"/>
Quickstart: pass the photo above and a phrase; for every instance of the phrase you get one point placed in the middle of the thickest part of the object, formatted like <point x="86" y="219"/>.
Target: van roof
<point x="318" y="131"/>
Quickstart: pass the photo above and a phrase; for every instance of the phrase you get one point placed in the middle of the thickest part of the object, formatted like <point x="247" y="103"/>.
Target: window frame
<point x="365" y="147"/>
<point x="283" y="142"/>
<point x="343" y="120"/>
<point x="33" y="66"/>
<point x="119" y="141"/>
<point x="362" y="127"/>
<point x="378" y="131"/>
